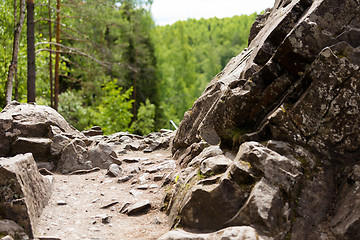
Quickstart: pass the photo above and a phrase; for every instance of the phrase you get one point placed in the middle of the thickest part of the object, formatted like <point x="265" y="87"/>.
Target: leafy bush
<point x="114" y="112"/>
<point x="145" y="118"/>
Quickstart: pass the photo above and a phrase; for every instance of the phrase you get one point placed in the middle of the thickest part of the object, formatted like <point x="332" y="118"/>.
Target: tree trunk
<point x="30" y="52"/>
<point x="50" y="61"/>
<point x="57" y="56"/>
<point x="13" y="65"/>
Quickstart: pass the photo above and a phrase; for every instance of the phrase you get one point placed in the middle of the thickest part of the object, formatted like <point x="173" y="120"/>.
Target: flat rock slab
<point x="140" y="207"/>
<point x="134" y="159"/>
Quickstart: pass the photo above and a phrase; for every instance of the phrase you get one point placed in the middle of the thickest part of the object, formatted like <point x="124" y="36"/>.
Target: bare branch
<point x="73" y="52"/>
<point x="71" y="78"/>
<point x="74" y="63"/>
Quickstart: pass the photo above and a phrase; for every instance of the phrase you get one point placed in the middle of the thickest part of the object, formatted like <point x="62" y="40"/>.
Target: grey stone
<point x="134" y="145"/>
<point x="61" y="203"/>
<point x="74" y="157"/>
<point x="125" y="178"/>
<point x="346" y="221"/>
<point x="39" y="147"/>
<point x="295" y="89"/>
<point x="47" y="238"/>
<point x="101" y="155"/>
<point x="135" y="170"/>
<point x="211" y="151"/>
<point x="209" y="206"/>
<point x="94" y="131"/>
<point x="13" y="229"/>
<point x="166" y="165"/>
<point x="215" y="165"/>
<point x="30" y="123"/>
<point x="124" y="207"/>
<point x="143" y="179"/>
<point x="125" y="139"/>
<point x="278" y="169"/>
<point x="159" y="177"/>
<point x="8" y="237"/>
<point x="46" y="165"/>
<point x="263" y="208"/>
<point x="114" y="170"/>
<point x="140" y="207"/>
<point x="58" y="144"/>
<point x="24" y="191"/>
<point x="143" y="187"/>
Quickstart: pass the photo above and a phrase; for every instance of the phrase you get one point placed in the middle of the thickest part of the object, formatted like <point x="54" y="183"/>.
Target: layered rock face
<point x="56" y="145"/>
<point x="24" y="192"/>
<point x="273" y="142"/>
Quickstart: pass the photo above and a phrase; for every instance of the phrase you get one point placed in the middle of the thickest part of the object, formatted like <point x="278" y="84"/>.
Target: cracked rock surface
<point x="280" y="126"/>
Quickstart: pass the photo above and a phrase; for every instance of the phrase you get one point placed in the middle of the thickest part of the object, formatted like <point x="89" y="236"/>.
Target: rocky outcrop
<point x="34" y="128"/>
<point x="23" y="192"/>
<point x="55" y="145"/>
<point x="284" y="118"/>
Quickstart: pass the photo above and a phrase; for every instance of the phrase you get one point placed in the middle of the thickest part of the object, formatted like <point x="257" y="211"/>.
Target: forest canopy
<point x="104" y="62"/>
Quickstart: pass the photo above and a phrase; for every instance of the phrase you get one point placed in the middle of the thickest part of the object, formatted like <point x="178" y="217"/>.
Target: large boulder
<point x="23" y="191"/>
<point x="287" y="66"/>
<point x="285" y="111"/>
<point x="34" y="128"/>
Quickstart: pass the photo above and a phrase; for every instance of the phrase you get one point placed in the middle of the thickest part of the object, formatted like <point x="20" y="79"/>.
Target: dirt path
<point x="75" y="208"/>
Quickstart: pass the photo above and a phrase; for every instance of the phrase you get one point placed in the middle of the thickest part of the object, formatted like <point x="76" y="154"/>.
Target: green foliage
<point x="131" y="75"/>
<point x="145" y="119"/>
<point x="190" y="53"/>
<point x="114" y="112"/>
<point x="71" y="107"/>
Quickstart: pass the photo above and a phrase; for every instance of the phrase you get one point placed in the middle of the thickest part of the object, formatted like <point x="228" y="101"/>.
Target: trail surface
<point x="77" y="208"/>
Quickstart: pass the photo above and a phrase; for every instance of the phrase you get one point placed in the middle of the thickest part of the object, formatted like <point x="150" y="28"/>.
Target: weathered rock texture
<point x="285" y="113"/>
<point x="56" y="145"/>
<point x="23" y="191"/>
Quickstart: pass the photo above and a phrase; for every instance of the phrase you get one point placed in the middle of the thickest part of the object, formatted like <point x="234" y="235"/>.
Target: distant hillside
<point x="190" y="53"/>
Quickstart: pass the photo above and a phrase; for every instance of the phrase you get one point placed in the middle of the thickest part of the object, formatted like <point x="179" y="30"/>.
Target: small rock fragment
<point x="61" y="203"/>
<point x="159" y="177"/>
<point x="135" y="170"/>
<point x="156" y="221"/>
<point x="131" y="160"/>
<point x="125" y="178"/>
<point x="153" y="186"/>
<point x="48" y="238"/>
<point x="114" y="170"/>
<point x="143" y="187"/>
<point x="148" y="162"/>
<point x="124" y="207"/>
<point x="82" y="171"/>
<point x="105" y="220"/>
<point x="8" y="237"/>
<point x="109" y="205"/>
<point x="140" y="207"/>
<point x="143" y="179"/>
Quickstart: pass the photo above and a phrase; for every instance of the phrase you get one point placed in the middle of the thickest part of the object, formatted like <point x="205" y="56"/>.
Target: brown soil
<point x="84" y="196"/>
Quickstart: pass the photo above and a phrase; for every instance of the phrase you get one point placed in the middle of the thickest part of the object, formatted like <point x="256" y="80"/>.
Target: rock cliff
<point x="273" y="142"/>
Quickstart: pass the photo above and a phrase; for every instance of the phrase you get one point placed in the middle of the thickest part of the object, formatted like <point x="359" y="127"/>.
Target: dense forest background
<point x="116" y="69"/>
